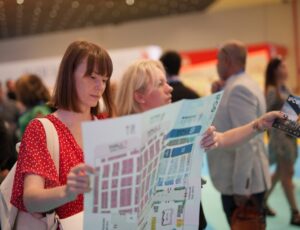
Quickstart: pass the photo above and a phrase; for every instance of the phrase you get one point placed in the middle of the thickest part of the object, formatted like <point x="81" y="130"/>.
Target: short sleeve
<point x="33" y="158"/>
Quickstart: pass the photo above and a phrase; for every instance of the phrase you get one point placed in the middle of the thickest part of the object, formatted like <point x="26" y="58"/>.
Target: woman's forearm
<point x="239" y="135"/>
<point x="38" y="199"/>
<point x="212" y="139"/>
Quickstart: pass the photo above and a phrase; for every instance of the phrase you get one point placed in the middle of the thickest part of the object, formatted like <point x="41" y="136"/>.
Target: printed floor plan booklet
<point x="148" y="167"/>
<point x="291" y="125"/>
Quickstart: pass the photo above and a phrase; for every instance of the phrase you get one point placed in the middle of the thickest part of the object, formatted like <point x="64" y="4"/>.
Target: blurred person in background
<point x="282" y="146"/>
<point x="8" y="155"/>
<point x="171" y="61"/>
<point x="33" y="95"/>
<point x="11" y="89"/>
<point x="240" y="174"/>
<point x="9" y="111"/>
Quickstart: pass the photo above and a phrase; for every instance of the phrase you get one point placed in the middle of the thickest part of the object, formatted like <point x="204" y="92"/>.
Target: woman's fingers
<point x="208" y="132"/>
<point x="266" y="120"/>
<point x="210" y="139"/>
<point x="82" y="168"/>
<point x="284" y="115"/>
<point x="271" y="116"/>
<point x="78" y="180"/>
<point x="210" y="147"/>
<point x="75" y="187"/>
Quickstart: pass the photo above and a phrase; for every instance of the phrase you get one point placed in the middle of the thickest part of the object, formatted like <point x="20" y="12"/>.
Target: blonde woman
<point x="144" y="86"/>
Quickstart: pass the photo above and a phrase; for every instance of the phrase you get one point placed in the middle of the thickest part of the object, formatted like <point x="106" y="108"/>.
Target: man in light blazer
<point x="241" y="172"/>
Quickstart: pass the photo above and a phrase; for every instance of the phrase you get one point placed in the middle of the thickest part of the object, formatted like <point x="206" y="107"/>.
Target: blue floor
<point x="215" y="215"/>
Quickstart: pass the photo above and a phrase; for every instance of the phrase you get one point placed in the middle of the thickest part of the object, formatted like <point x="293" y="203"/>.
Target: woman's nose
<point x="170" y="88"/>
<point x="98" y="84"/>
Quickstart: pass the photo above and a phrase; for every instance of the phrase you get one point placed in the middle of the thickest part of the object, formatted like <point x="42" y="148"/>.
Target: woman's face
<point x="158" y="93"/>
<point x="281" y="73"/>
<point x="90" y="88"/>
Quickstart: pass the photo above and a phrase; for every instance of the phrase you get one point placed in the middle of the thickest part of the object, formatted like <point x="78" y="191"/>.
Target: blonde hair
<point x="136" y="78"/>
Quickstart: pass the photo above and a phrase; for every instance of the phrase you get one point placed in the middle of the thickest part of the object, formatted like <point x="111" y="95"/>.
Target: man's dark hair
<point x="172" y="62"/>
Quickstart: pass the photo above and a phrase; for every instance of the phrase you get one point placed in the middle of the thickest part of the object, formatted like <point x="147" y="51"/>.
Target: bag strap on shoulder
<point x="51" y="140"/>
<point x="8" y="213"/>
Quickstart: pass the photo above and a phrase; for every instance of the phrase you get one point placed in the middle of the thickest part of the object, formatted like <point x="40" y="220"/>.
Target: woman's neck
<point x="73" y="121"/>
<point x="71" y="116"/>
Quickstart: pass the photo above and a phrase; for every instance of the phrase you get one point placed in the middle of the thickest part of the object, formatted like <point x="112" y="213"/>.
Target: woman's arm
<point x="237" y="136"/>
<point x="38" y="199"/>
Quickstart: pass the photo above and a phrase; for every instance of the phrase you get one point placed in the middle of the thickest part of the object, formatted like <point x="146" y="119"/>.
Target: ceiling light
<point x="130" y="2"/>
<point x="20" y="2"/>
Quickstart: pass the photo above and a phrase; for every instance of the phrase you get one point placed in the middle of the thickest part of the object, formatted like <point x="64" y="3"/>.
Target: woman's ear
<point x="139" y="97"/>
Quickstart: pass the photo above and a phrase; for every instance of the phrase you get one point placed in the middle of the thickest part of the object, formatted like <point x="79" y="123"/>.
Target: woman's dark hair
<point x="65" y="94"/>
<point x="273" y="65"/>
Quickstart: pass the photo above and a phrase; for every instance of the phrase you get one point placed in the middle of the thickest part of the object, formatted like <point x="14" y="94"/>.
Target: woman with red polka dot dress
<point x="83" y="78"/>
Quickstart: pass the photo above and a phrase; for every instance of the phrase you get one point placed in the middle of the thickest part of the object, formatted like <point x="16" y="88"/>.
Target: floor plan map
<point x="148" y="167"/>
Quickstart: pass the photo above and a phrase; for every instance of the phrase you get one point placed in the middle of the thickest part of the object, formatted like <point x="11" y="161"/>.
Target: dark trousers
<point x="229" y="204"/>
<point x="202" y="222"/>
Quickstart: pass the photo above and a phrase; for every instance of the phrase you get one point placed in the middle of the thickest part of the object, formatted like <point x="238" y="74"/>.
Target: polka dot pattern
<point x="34" y="158"/>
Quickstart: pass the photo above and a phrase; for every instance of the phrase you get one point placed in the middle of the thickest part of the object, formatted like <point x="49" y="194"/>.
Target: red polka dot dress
<point x="34" y="158"/>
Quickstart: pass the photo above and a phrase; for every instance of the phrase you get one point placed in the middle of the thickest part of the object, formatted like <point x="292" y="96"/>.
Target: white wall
<point x="269" y="23"/>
